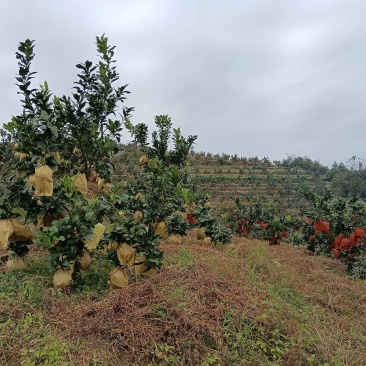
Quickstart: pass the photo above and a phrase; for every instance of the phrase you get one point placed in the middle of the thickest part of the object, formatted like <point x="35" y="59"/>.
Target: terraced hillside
<point x="226" y="178"/>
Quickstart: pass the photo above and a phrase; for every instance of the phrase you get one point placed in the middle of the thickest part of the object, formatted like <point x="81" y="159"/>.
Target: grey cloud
<point x="261" y="78"/>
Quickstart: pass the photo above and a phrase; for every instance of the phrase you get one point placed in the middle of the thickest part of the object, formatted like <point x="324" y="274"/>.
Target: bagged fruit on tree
<point x="20" y="232"/>
<point x="98" y="232"/>
<point x="106" y="187"/>
<point x="139" y="196"/>
<point x="138" y="216"/>
<point x="16" y="263"/>
<point x="126" y="255"/>
<point x="113" y="246"/>
<point x="144" y="160"/>
<point x="84" y="261"/>
<point x="160" y="228"/>
<point x="76" y="151"/>
<point x="345" y="244"/>
<point x="44" y="181"/>
<point x="21" y="156"/>
<point x="141" y="267"/>
<point x="183" y="214"/>
<point x="201" y="233"/>
<point x="61" y="279"/>
<point x="359" y="232"/>
<point x="81" y="183"/>
<point x="321" y="226"/>
<point x="140" y="263"/>
<point x="100" y="182"/>
<point x="118" y="278"/>
<point x="6" y="229"/>
<point x="207" y="242"/>
<point x="353" y="240"/>
<point x="190" y="207"/>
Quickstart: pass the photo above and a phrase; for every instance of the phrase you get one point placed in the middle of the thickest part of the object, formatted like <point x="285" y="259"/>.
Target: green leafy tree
<point x="82" y="127"/>
<point x="162" y="181"/>
<point x="88" y="114"/>
<point x="70" y="135"/>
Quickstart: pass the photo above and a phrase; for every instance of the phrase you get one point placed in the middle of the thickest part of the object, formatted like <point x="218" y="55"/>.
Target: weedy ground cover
<point x="242" y="304"/>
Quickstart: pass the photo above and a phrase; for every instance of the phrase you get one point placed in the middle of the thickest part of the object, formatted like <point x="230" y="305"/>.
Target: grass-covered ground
<point x="243" y="304"/>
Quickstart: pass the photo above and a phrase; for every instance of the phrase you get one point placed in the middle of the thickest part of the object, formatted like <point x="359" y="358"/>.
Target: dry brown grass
<point x="135" y="320"/>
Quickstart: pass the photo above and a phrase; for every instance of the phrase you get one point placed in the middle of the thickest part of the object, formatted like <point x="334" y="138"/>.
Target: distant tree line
<point x="347" y="180"/>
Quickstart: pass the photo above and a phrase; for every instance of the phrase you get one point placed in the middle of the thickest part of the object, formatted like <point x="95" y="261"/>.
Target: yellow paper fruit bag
<point x="20" y="232"/>
<point x="16" y="264"/>
<point x="98" y="232"/>
<point x="44" y="181"/>
<point x="6" y="229"/>
<point x="160" y="228"/>
<point x="118" y="278"/>
<point x="201" y="233"/>
<point x="144" y="160"/>
<point x="141" y="267"/>
<point x="138" y="216"/>
<point x="103" y="185"/>
<point x="81" y="183"/>
<point x="84" y="261"/>
<point x="126" y="255"/>
<point x="61" y="279"/>
<point x="21" y="156"/>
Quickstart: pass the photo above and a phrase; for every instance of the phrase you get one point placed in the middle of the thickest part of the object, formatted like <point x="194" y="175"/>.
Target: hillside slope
<point x="226" y="178"/>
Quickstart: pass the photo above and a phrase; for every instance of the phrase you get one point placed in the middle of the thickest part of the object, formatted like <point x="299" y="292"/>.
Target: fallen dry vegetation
<point x="242" y="304"/>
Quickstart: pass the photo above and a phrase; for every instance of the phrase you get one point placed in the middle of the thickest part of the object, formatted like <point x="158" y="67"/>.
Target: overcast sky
<point x="251" y="77"/>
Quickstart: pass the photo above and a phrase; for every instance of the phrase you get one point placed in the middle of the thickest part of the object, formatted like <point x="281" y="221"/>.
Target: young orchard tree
<point x="36" y="131"/>
<point x="159" y="148"/>
<point x="162" y="178"/>
<point x="83" y="128"/>
<point x="88" y="113"/>
<point x="66" y="135"/>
